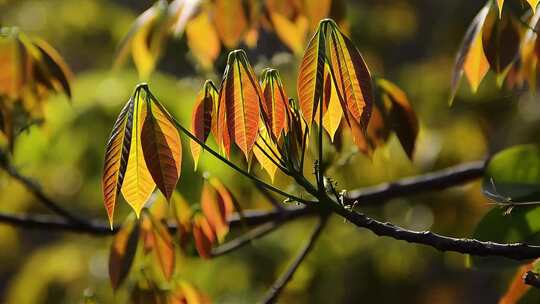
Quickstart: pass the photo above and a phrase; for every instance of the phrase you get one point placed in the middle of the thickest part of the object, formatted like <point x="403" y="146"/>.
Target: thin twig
<point x="268" y="195"/>
<point x="35" y="189"/>
<point x="278" y="286"/>
<point x="246" y="238"/>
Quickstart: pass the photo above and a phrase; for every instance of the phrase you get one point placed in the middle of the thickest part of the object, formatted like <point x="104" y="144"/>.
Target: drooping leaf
<point x="58" y="69"/>
<point x="161" y="147"/>
<point x="226" y="198"/>
<point x="311" y="75"/>
<point x="182" y="12"/>
<point x="500" y="4"/>
<point x="122" y="252"/>
<point x="117" y="153"/>
<point x="352" y="77"/>
<point x="204" y="236"/>
<point x="513" y="175"/>
<point x="275" y="102"/>
<point x="138" y="184"/>
<point x="203" y="117"/>
<point x="291" y="32"/>
<point x="163" y="247"/>
<point x="230" y="21"/>
<point x="517" y="287"/>
<point x="470" y="57"/>
<point x="214" y="210"/>
<point x="241" y="98"/>
<point x="501" y="41"/>
<point x="403" y="118"/>
<point x="203" y="40"/>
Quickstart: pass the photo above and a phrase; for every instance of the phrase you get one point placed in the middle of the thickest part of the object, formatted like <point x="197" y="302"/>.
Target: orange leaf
<point x="230" y="21"/>
<point x="214" y="210"/>
<point x="275" y="102"/>
<point x="163" y="247"/>
<point x="310" y="77"/>
<point x="203" y="40"/>
<point x="291" y="32"/>
<point x="203" y="117"/>
<point x="56" y="66"/>
<point x="138" y="184"/>
<point x="240" y="98"/>
<point x="204" y="236"/>
<point x="186" y="293"/>
<point x="470" y="56"/>
<point x="226" y="197"/>
<point x="182" y="214"/>
<point x="117" y="153"/>
<point x="352" y="77"/>
<point x="122" y="253"/>
<point x="262" y="153"/>
<point x="517" y="287"/>
<point x="402" y="115"/>
<point x="161" y="147"/>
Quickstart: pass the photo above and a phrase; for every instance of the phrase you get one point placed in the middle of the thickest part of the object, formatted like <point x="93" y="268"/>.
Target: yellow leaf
<point x="163" y="247"/>
<point x="533" y="4"/>
<point x="116" y="158"/>
<point x="230" y="21"/>
<point x="268" y="165"/>
<point x="182" y="214"/>
<point x="203" y="40"/>
<point x="332" y="112"/>
<point x="138" y="183"/>
<point x="214" y="210"/>
<point x="500" y="4"/>
<point x="316" y="11"/>
<point x="291" y="32"/>
<point x="203" y="118"/>
<point x="476" y="64"/>
<point x="161" y="147"/>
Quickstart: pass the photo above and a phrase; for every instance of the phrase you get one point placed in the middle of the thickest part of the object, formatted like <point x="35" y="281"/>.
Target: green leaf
<point x="513" y="175"/>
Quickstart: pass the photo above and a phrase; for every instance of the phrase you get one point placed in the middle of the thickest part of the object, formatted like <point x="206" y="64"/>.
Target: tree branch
<point x="278" y="286"/>
<point x="531" y="278"/>
<point x="438" y="180"/>
<point x="246" y="238"/>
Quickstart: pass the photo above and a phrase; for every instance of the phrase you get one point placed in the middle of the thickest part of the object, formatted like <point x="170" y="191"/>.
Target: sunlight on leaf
<point x="204" y="236"/>
<point x="230" y="21"/>
<point x="122" y="252"/>
<point x="203" y="117"/>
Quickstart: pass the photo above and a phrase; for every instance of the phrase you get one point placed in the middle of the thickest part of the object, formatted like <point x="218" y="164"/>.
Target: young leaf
<point x="163" y="247"/>
<point x="122" y="253"/>
<point x="226" y="198"/>
<point x="203" y="117"/>
<point x="204" y="236"/>
<point x="403" y="118"/>
<point x="230" y="21"/>
<point x="138" y="183"/>
<point x="214" y="210"/>
<point x="316" y="11"/>
<point x="311" y="75"/>
<point x="262" y="153"/>
<point x="161" y="147"/>
<point x="56" y="66"/>
<point x="203" y="40"/>
<point x="275" y="102"/>
<point x="352" y="77"/>
<point x="332" y="112"/>
<point x="533" y="4"/>
<point x="470" y="56"/>
<point x="241" y="98"/>
<point x="501" y="41"/>
<point x="117" y="153"/>
<point x="500" y="4"/>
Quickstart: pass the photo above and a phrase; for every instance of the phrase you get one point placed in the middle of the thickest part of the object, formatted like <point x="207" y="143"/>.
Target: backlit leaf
<point x="186" y="293"/>
<point x="263" y="157"/>
<point x="311" y="75"/>
<point x="203" y="40"/>
<point x="316" y="11"/>
<point x="275" y="102"/>
<point x="500" y="4"/>
<point x="117" y="153"/>
<point x="203" y="117"/>
<point x="332" y="112"/>
<point x="470" y="56"/>
<point x="403" y="118"/>
<point x="58" y="69"/>
<point x="352" y="77"/>
<point x="214" y="210"/>
<point x="163" y="247"/>
<point x="291" y="32"/>
<point x="226" y="197"/>
<point x="501" y="40"/>
<point x="161" y="147"/>
<point x="122" y="253"/>
<point x="204" y="236"/>
<point x="242" y="97"/>
<point x="138" y="183"/>
<point x="182" y="215"/>
<point x="230" y="21"/>
<point x="183" y="11"/>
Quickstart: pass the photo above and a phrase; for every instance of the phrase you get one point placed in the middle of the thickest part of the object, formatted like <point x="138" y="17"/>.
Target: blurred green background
<point x="410" y="42"/>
